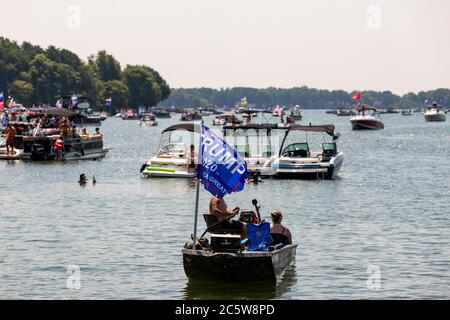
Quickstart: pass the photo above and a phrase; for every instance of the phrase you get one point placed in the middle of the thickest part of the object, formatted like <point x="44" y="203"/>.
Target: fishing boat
<point x="366" y="118"/>
<point x="172" y="158"/>
<point x="296" y="113"/>
<point x="435" y="113"/>
<point x="225" y="257"/>
<point x="148" y="120"/>
<point x="296" y="160"/>
<point x="254" y="142"/>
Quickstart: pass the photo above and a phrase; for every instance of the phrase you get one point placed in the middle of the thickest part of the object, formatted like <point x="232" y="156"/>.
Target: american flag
<point x="2" y="101"/>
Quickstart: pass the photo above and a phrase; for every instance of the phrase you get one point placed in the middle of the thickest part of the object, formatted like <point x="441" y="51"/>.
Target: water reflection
<point x="211" y="290"/>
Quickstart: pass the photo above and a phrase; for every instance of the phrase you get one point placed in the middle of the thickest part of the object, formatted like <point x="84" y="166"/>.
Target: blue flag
<point x="222" y="170"/>
<point x="108" y="102"/>
<point x="2" y="96"/>
<point x="5" y="120"/>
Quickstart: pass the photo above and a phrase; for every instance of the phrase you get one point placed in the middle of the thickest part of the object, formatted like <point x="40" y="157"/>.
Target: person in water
<point x="218" y="208"/>
<point x="83" y="180"/>
<point x="10" y="134"/>
<point x="280" y="234"/>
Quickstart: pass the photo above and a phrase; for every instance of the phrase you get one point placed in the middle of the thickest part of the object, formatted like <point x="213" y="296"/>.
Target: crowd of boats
<point x="364" y="117"/>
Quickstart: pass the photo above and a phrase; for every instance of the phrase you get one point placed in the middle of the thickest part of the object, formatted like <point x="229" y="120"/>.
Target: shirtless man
<point x="219" y="208"/>
<point x="10" y="133"/>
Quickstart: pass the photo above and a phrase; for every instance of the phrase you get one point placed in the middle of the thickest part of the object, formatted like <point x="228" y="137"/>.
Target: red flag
<point x="2" y="105"/>
<point x="357" y="96"/>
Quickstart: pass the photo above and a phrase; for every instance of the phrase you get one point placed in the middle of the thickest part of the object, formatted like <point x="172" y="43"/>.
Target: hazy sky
<point x="398" y="45"/>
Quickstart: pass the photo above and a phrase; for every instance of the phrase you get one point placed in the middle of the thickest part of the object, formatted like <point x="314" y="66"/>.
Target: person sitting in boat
<point x="192" y="160"/>
<point x="98" y="132"/>
<point x="218" y="208"/>
<point x="84" y="134"/>
<point x="64" y="128"/>
<point x="280" y="234"/>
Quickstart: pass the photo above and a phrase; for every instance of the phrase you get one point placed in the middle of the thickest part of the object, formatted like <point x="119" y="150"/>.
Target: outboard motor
<point x="38" y="152"/>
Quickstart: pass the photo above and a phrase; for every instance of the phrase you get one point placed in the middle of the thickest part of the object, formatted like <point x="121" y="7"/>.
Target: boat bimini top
<point x="301" y="149"/>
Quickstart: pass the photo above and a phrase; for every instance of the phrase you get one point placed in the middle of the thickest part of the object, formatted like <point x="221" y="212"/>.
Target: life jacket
<point x="58" y="145"/>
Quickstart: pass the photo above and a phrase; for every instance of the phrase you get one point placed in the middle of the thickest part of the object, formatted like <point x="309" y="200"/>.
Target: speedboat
<point x="172" y="160"/>
<point x="366" y="118"/>
<point x="190" y="115"/>
<point x="225" y="257"/>
<point x="435" y="113"/>
<point x="254" y="142"/>
<point x="297" y="161"/>
<point x="161" y="113"/>
<point x="296" y="113"/>
<point x="407" y="112"/>
<point x="148" y="120"/>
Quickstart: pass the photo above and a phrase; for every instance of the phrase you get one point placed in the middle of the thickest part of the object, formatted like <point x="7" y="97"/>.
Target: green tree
<point x="118" y="91"/>
<point x="108" y="68"/>
<point x="23" y="91"/>
<point x="143" y="86"/>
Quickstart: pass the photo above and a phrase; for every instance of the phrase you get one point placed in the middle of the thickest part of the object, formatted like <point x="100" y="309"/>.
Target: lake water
<point x="386" y="215"/>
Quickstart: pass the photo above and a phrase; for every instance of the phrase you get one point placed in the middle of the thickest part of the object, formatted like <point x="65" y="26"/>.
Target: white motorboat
<point x="173" y="158"/>
<point x="297" y="161"/>
<point x="366" y="118"/>
<point x="435" y="113"/>
<point x="148" y="120"/>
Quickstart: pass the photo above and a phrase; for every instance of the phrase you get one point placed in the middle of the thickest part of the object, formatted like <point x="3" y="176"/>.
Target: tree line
<point x="303" y="96"/>
<point x="34" y="75"/>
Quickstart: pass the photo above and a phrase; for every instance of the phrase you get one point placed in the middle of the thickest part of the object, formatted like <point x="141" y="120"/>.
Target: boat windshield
<point x="307" y="144"/>
<point x="176" y="144"/>
<point x="254" y="143"/>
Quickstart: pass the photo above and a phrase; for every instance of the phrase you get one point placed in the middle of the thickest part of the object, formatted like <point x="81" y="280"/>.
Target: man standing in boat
<point x="10" y="134"/>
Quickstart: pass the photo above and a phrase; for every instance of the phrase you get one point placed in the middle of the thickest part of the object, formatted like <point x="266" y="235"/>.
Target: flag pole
<point x="197" y="196"/>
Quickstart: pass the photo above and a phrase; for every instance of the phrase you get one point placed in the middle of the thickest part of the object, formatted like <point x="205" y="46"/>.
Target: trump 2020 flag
<point x="222" y="170"/>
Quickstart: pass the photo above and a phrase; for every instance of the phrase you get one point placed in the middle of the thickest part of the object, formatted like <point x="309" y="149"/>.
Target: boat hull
<point x="286" y="169"/>
<point x="237" y="267"/>
<point x="440" y="117"/>
<point x="176" y="174"/>
<point x="367" y="125"/>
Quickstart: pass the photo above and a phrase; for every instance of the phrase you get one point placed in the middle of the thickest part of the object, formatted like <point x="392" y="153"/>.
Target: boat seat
<point x="211" y="219"/>
<point x="259" y="238"/>
<point x="329" y="151"/>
